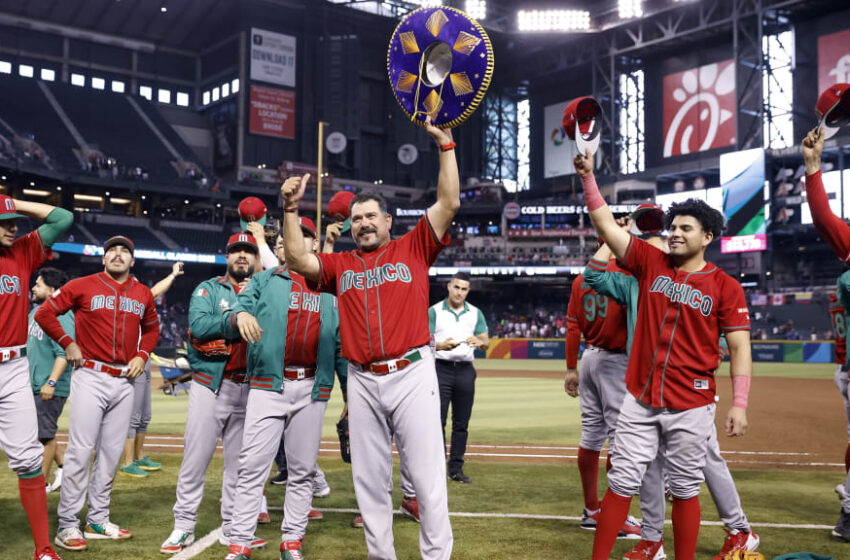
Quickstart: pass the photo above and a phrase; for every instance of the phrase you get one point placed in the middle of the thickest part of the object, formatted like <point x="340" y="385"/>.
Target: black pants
<point x="457" y="387"/>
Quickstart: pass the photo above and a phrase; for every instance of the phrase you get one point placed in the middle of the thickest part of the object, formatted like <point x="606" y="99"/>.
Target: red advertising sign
<point x="833" y="59"/>
<point x="272" y="112"/>
<point x="699" y="109"/>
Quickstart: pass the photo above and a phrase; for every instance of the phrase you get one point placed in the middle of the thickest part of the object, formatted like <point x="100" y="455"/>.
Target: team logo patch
<point x="224" y="305"/>
<point x="701" y="384"/>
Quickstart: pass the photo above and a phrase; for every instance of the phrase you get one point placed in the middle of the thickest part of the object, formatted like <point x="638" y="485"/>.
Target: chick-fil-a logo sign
<point x="833" y="59"/>
<point x="699" y="109"/>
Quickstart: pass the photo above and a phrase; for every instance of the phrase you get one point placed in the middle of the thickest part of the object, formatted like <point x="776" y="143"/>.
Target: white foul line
<point x="198" y="546"/>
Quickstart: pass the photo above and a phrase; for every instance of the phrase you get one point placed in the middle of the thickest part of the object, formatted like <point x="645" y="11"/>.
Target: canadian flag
<point x="777" y="299"/>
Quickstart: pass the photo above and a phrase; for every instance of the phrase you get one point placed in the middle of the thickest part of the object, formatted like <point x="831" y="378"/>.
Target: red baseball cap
<point x="339" y="209"/>
<point x="649" y="218"/>
<point x="119" y="240"/>
<point x="252" y="209"/>
<point x="307" y="225"/>
<point x="242" y="240"/>
<point x="584" y="113"/>
<point x="7" y="208"/>
<point x="833" y="109"/>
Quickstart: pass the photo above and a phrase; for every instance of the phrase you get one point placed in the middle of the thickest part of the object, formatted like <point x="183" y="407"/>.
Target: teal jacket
<point x="620" y="287"/>
<point x="208" y="303"/>
<point x="267" y="299"/>
<point x="843" y="294"/>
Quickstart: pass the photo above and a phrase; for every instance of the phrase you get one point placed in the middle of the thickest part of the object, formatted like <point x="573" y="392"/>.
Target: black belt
<point x="593" y="346"/>
<point x="453" y="363"/>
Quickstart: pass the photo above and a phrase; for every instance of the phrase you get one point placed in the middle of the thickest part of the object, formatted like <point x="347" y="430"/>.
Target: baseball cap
<point x="252" y="209"/>
<point x="833" y="109"/>
<point x="7" y="208"/>
<point x="649" y="218"/>
<point x="119" y="240"/>
<point x="242" y="240"/>
<point x="339" y="208"/>
<point x="307" y="226"/>
<point x="585" y="115"/>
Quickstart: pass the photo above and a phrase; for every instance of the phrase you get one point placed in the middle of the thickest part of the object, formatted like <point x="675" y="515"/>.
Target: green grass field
<point x="521" y="409"/>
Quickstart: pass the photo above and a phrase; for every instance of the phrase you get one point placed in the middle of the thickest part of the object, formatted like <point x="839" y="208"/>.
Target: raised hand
<point x="293" y="189"/>
<point x="812" y="147"/>
<point x="441" y="136"/>
<point x="583" y="163"/>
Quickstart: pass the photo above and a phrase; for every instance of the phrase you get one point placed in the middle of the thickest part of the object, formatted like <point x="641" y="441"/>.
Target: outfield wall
<point x="815" y="352"/>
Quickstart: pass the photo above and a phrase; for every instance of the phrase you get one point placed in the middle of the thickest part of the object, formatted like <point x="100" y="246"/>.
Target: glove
<point x="217" y="347"/>
<point x="342" y="432"/>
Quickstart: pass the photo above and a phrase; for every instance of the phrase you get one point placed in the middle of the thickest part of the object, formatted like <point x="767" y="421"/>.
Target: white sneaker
<point x="177" y="541"/>
<point x="47" y="488"/>
<point x="106" y="530"/>
<point x="70" y="538"/>
<point x="322" y="492"/>
<point x="57" y="480"/>
<point x="841" y="491"/>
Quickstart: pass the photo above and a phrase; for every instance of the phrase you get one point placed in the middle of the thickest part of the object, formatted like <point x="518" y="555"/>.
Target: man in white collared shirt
<point x="459" y="329"/>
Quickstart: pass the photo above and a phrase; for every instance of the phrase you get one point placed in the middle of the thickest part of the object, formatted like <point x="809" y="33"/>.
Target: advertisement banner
<point x="272" y="57"/>
<point x="742" y="178"/>
<point x="768" y="352"/>
<point x="573" y="232"/>
<point x="699" y="109"/>
<point x="833" y="59"/>
<point x="546" y="349"/>
<point x="272" y="112"/>
<point x="558" y="150"/>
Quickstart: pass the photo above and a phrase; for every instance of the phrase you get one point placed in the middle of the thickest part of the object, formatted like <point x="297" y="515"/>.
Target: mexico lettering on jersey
<point x="839" y="329"/>
<point x="680" y="318"/>
<point x="383" y="294"/>
<point x="17" y="264"/>
<point x="108" y="317"/>
<point x="601" y="320"/>
<point x="302" y="324"/>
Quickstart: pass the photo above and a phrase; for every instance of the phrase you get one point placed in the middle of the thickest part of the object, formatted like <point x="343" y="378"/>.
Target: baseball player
<point x="624" y="289"/>
<point x="218" y="397"/>
<point x="111" y="308"/>
<point x="600" y="386"/>
<point x="293" y="336"/>
<point x="382" y="288"/>
<point x="684" y="304"/>
<point x="136" y="463"/>
<point x="839" y="328"/>
<point x="19" y="259"/>
<point x="831" y="228"/>
<point x="842" y="528"/>
<point x="50" y="373"/>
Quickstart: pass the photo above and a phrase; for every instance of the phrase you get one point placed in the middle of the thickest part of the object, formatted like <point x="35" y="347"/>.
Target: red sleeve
<point x="733" y="313"/>
<point x="150" y="330"/>
<point x="47" y="315"/>
<point x="329" y="266"/>
<point x="33" y="249"/>
<point x="834" y="231"/>
<point x="423" y="241"/>
<point x="640" y="257"/>
<point x="573" y="330"/>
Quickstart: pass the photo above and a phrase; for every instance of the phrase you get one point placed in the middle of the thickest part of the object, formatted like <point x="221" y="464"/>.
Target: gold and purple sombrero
<point x="440" y="63"/>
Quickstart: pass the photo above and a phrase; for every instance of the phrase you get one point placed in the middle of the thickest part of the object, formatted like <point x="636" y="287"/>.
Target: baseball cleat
<point x="630" y="530"/>
<point x="133" y="470"/>
<point x="106" y="531"/>
<point x="410" y="508"/>
<point x="291" y="550"/>
<point x="589" y="519"/>
<point x="70" y="539"/>
<point x="357" y="522"/>
<point x="280" y="478"/>
<point x="146" y="464"/>
<point x="841" y="491"/>
<point x="224" y="540"/>
<point x="177" y="541"/>
<point x="57" y="480"/>
<point x="322" y="492"/>
<point x="263" y="517"/>
<point x="738" y="541"/>
<point x="842" y="528"/>
<point x="315" y="515"/>
<point x="237" y="552"/>
<point x="646" y="550"/>
<point x="46" y="554"/>
<point x="460" y="477"/>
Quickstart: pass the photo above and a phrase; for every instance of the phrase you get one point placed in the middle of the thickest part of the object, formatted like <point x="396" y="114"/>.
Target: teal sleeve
<point x="481" y="324"/>
<point x="55" y="226"/>
<point x="432" y="320"/>
<point x="614" y="285"/>
<point x="204" y="315"/>
<point x="843" y="290"/>
<point x="247" y="302"/>
<point x="341" y="368"/>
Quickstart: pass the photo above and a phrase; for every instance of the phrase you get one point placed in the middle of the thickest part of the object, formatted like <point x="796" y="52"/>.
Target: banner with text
<point x="833" y="59"/>
<point x="272" y="57"/>
<point x="272" y="112"/>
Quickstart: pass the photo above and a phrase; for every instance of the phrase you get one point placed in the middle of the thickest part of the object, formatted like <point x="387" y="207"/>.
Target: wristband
<point x="447" y="147"/>
<point x="592" y="196"/>
<point x="741" y="390"/>
<point x="293" y="210"/>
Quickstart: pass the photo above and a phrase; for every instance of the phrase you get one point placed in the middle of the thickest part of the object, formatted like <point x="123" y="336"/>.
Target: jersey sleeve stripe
<point x="572" y="319"/>
<point x="596" y="265"/>
<point x="41" y="243"/>
<point x="629" y="249"/>
<point x="56" y="307"/>
<point x="433" y="233"/>
<point x="738" y="328"/>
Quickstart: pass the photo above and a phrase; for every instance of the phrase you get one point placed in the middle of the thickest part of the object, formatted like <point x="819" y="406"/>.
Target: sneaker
<point x="315" y="515"/>
<point x="630" y="530"/>
<point x="224" y="540"/>
<point x="264" y="516"/>
<point x="106" y="531"/>
<point x="280" y="479"/>
<point x="177" y="541"/>
<point x="410" y="508"/>
<point x="322" y="492"/>
<point x="146" y="464"/>
<point x="133" y="470"/>
<point x="646" y="550"/>
<point x="46" y="554"/>
<point x="841" y="491"/>
<point x="842" y="528"/>
<point x="70" y="539"/>
<point x="291" y="550"/>
<point x="57" y="480"/>
<point x="740" y="541"/>
<point x="589" y="519"/>
<point x="47" y="488"/>
<point x="460" y="477"/>
<point x="237" y="552"/>
<point x="357" y="522"/>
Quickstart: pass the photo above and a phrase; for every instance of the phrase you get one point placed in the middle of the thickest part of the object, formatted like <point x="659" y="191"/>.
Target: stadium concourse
<point x="221" y="221"/>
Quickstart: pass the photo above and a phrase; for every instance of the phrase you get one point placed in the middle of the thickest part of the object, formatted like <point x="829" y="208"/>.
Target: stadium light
<point x="25" y="70"/>
<point x="36" y="192"/>
<point x="88" y="197"/>
<point x="553" y="20"/>
<point x="476" y="9"/>
<point x="630" y="8"/>
<point x="98" y="83"/>
<point x="78" y="80"/>
<point x="429" y="3"/>
<point x="5" y="67"/>
<point x="48" y="75"/>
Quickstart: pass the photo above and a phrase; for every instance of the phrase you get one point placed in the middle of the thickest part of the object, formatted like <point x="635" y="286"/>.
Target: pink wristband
<point x="741" y="390"/>
<point x="592" y="196"/>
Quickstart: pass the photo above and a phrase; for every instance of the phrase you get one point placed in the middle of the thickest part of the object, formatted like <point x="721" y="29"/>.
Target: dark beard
<point x="238" y="275"/>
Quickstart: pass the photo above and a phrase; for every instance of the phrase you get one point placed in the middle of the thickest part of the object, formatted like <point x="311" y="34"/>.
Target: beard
<point x="238" y="275"/>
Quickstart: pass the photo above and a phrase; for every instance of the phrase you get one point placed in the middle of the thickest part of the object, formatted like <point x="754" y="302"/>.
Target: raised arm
<point x="603" y="220"/>
<point x="165" y="284"/>
<point x="56" y="220"/>
<point x="298" y="259"/>
<point x="442" y="212"/>
<point x="833" y="229"/>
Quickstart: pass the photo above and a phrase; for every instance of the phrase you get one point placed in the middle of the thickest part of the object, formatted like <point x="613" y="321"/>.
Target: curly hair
<point x="710" y="219"/>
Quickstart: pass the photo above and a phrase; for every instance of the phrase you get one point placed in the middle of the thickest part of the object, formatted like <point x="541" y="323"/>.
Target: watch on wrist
<point x="51" y="383"/>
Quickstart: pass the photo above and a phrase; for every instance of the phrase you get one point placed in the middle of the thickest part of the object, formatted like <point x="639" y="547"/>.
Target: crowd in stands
<point x="517" y="255"/>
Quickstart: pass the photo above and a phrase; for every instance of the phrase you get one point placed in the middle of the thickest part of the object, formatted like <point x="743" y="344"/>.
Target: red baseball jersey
<point x="108" y="318"/>
<point x="302" y="324"/>
<point x="831" y="228"/>
<point x="680" y="318"/>
<point x="383" y="294"/>
<point x="600" y="319"/>
<point x="17" y="264"/>
<point x="237" y="361"/>
<point x="839" y="328"/>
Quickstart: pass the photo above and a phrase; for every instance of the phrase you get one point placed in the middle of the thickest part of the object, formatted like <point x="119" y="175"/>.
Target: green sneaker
<point x="146" y="464"/>
<point x="291" y="550"/>
<point x="133" y="470"/>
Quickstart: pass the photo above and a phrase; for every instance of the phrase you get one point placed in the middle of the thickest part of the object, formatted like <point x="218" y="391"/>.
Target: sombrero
<point x="440" y="63"/>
